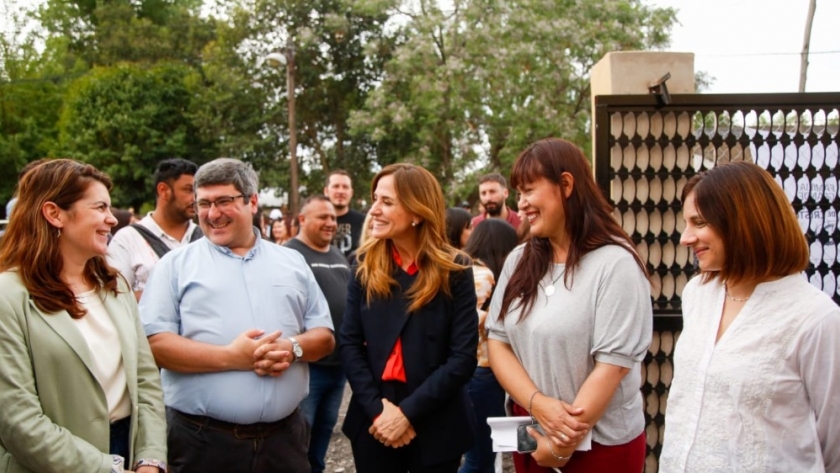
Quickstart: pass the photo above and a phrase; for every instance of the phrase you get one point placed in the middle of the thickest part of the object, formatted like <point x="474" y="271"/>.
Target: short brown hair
<point x="761" y="236"/>
<point x="337" y="172"/>
<point x="493" y="177"/>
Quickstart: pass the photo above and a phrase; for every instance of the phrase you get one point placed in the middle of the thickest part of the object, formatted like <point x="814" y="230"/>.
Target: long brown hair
<point x="589" y="222"/>
<point x="748" y="209"/>
<point x="30" y="244"/>
<point x="419" y="192"/>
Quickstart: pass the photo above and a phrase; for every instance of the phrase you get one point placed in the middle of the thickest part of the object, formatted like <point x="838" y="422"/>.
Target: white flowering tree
<point x="475" y="81"/>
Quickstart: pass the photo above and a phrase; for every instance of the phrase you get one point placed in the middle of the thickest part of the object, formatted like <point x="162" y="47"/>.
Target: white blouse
<point x="103" y="340"/>
<point x="765" y="397"/>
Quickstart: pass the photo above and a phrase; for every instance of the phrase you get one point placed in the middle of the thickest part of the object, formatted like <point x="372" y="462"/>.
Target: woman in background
<point x="458" y="226"/>
<point x="259" y="222"/>
<point x="123" y="219"/>
<point x="756" y="383"/>
<point x="489" y="244"/>
<point x="278" y="231"/>
<point x="409" y="335"/>
<point x="571" y="319"/>
<point x="80" y="385"/>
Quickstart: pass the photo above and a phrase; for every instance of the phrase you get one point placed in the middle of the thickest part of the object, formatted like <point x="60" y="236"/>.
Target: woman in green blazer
<point x="78" y="384"/>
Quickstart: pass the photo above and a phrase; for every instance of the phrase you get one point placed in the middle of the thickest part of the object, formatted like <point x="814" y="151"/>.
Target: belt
<point x="258" y="429"/>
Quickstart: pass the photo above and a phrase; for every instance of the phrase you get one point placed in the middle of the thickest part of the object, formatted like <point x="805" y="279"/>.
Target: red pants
<point x="627" y="458"/>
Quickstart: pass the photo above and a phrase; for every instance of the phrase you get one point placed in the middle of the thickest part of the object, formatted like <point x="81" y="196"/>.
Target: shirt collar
<point x="251" y="253"/>
<point x="412" y="268"/>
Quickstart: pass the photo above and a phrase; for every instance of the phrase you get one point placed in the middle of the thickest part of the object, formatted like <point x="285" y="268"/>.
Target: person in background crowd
<point x="571" y="319"/>
<point x="294" y="226"/>
<point x="458" y="226"/>
<point x="756" y="379"/>
<point x="80" y="387"/>
<point x="233" y="390"/>
<point x="339" y="190"/>
<point x="488" y="245"/>
<point x="26" y="168"/>
<point x="123" y="220"/>
<point x="136" y="249"/>
<point x="366" y="230"/>
<point x="326" y="378"/>
<point x="410" y="331"/>
<point x="278" y="232"/>
<point x="259" y="222"/>
<point x="493" y="192"/>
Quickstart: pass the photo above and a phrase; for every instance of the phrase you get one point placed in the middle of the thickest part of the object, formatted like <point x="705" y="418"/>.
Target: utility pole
<point x="806" y="46"/>
<point x="286" y="58"/>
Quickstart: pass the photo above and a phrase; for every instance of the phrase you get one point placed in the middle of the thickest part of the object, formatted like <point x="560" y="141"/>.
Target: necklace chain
<point x="736" y="299"/>
<point x="549" y="290"/>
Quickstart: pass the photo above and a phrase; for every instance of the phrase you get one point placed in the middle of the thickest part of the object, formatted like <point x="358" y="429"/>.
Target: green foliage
<point x="126" y="118"/>
<point x="340" y="47"/>
<point x="460" y="90"/>
<point x="30" y="100"/>
<point x="145" y="31"/>
<point x="474" y="85"/>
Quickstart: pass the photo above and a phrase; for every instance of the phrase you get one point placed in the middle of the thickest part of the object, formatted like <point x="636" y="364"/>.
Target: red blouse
<point x="394" y="367"/>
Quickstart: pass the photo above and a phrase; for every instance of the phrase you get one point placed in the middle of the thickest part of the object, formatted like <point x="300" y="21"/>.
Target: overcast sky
<point x="754" y="46"/>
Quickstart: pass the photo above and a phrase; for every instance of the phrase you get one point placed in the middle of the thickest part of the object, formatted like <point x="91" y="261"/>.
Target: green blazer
<point x="54" y="413"/>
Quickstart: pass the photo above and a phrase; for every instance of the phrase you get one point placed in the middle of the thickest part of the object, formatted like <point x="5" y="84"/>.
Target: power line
<point x="812" y="53"/>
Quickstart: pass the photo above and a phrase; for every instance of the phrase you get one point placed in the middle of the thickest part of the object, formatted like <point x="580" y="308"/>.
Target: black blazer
<point x="439" y="345"/>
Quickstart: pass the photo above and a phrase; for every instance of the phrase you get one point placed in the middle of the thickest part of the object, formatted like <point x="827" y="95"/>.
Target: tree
<point x="806" y="46"/>
<point x="31" y="89"/>
<point x="340" y="47"/>
<point x="105" y="33"/>
<point x="473" y="85"/>
<point x="125" y="119"/>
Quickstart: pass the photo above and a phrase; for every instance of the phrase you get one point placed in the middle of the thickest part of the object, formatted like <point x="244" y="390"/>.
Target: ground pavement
<point x="340" y="454"/>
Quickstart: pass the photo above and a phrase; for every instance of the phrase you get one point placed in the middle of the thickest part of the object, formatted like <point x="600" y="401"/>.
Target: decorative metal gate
<point x="648" y="146"/>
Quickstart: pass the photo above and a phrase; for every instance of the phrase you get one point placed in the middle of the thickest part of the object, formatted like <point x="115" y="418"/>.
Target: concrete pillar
<point x="632" y="72"/>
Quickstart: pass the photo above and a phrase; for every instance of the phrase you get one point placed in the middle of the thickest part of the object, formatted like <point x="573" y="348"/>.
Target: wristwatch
<point x="297" y="350"/>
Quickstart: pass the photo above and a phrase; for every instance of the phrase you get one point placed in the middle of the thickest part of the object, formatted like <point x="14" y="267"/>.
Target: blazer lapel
<point x="64" y="326"/>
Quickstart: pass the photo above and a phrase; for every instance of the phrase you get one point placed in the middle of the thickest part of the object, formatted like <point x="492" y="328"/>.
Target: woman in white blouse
<point x="756" y="367"/>
<point x="79" y="385"/>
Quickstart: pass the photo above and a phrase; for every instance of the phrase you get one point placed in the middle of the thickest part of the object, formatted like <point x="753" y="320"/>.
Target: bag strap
<point x="157" y="245"/>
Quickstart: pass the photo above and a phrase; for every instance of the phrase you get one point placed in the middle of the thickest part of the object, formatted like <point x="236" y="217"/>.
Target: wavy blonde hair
<point x="419" y="192"/>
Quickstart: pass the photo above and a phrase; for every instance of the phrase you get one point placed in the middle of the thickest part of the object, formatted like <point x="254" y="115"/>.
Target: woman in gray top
<point x="571" y="320"/>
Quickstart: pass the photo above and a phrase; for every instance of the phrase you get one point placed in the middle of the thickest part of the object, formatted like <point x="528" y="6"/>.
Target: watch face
<point x="296" y="348"/>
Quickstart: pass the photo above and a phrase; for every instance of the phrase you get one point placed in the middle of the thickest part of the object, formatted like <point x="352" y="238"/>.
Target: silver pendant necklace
<point x="550" y="289"/>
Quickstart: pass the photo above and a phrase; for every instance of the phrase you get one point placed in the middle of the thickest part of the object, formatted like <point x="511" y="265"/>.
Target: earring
<point x="58" y="234"/>
<point x="413" y="224"/>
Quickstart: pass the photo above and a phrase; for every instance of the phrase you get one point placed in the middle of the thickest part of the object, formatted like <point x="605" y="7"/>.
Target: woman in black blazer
<point x="409" y="337"/>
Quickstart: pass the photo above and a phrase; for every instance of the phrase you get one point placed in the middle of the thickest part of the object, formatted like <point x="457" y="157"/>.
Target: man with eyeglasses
<point x="233" y="321"/>
<point x="137" y="248"/>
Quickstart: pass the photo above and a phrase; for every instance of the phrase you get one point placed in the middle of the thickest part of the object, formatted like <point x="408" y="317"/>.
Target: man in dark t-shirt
<point x="349" y="222"/>
<point x="326" y="377"/>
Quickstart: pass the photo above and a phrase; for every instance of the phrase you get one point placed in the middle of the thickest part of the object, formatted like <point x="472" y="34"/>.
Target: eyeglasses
<point x="222" y="203"/>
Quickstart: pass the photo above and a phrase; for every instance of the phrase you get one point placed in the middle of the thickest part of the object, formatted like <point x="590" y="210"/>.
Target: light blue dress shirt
<point x="207" y="293"/>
